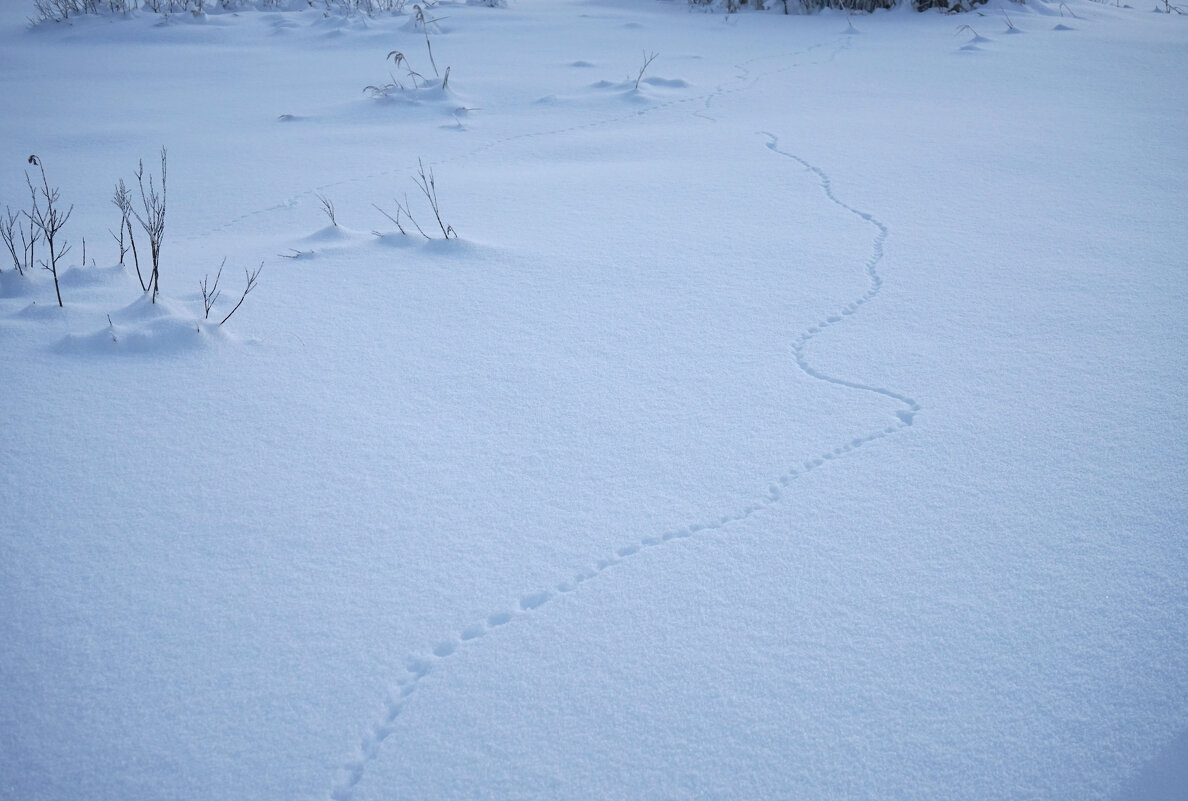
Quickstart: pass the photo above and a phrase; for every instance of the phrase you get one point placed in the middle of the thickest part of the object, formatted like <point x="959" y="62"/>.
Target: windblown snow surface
<point x="806" y="420"/>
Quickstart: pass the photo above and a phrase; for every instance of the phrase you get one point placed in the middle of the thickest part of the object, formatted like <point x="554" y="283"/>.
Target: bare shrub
<point x="211" y="292"/>
<point x="12" y="228"/>
<point x="153" y="221"/>
<point x="49" y="220"/>
<point x="428" y="187"/>
<point x="250" y="284"/>
<point x="648" y="58"/>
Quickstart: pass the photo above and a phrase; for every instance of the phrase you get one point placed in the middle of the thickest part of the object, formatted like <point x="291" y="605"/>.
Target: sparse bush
<point x="49" y="220"/>
<point x="426" y="182"/>
<point x="12" y="227"/>
<point x="123" y="201"/>
<point x="401" y="210"/>
<point x="811" y="6"/>
<point x="63" y="10"/>
<point x="153" y="221"/>
<point x="211" y="292"/>
<point x="402" y="213"/>
<point x="429" y="188"/>
<point x="46" y="221"/>
<point x="7" y="223"/>
<point x="648" y="58"/>
<point x="119" y="200"/>
<point x="249" y="285"/>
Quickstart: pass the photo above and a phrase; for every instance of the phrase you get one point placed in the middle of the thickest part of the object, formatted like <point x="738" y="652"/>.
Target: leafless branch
<point x="153" y="220"/>
<point x="211" y="294"/>
<point x="8" y="225"/>
<point x="648" y="59"/>
<point x="248" y="287"/>
<point x="48" y="221"/>
<point x="428" y="187"/>
<point x="402" y="210"/>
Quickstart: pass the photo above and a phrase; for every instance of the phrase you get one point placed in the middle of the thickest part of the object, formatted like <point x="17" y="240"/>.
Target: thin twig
<point x="211" y="294"/>
<point x="648" y="59"/>
<point x="428" y="187"/>
<point x="251" y="284"/>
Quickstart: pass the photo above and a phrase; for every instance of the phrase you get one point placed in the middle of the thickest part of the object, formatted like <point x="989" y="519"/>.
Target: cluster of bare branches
<point x="648" y="58"/>
<point x="427" y="183"/>
<point x="428" y="187"/>
<point x="122" y="200"/>
<point x="401" y="211"/>
<point x="152" y="221"/>
<point x="858" y="6"/>
<point x="12" y="228"/>
<point x="61" y="10"/>
<point x="211" y="292"/>
<point x="45" y="220"/>
<point x="42" y="223"/>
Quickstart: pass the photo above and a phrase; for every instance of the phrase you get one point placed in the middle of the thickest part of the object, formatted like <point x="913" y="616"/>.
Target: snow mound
<point x="667" y="83"/>
<point x="328" y="240"/>
<point x="38" y="312"/>
<point x="334" y="234"/>
<point x="92" y="276"/>
<point x="646" y="89"/>
<point x="411" y="92"/>
<point x="649" y="90"/>
<point x="144" y="327"/>
<point x="15" y="285"/>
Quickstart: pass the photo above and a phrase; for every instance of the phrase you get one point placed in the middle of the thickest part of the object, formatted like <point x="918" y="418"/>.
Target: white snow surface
<point x="806" y="422"/>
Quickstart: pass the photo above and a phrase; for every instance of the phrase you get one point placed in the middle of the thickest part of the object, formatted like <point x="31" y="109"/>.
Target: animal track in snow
<point x="418" y="667"/>
<point x="905" y="417"/>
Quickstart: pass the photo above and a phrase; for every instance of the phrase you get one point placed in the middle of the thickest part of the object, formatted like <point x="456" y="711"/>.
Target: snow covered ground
<point x="807" y="421"/>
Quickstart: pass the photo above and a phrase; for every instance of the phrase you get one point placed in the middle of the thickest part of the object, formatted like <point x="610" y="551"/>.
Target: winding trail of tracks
<point x="418" y="667"/>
